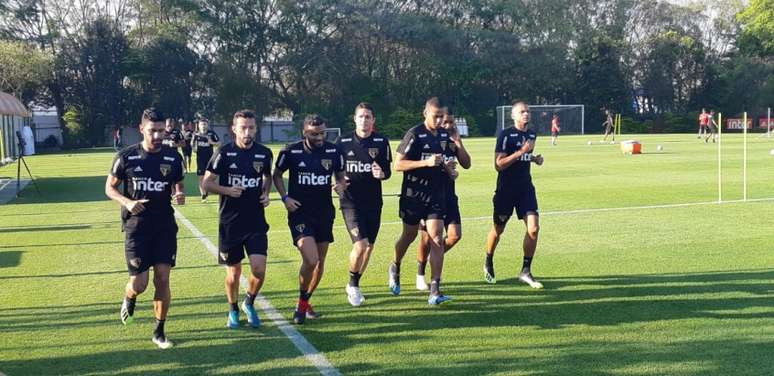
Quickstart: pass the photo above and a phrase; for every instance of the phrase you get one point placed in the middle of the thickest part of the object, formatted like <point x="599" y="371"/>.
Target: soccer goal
<point x="332" y="134"/>
<point x="571" y="118"/>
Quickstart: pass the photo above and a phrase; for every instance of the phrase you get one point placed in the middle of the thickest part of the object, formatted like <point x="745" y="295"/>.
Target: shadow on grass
<point x="9" y="259"/>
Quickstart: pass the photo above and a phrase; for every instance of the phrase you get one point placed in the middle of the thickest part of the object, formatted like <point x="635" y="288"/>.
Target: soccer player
<point x="367" y="158"/>
<point x="609" y="125"/>
<point x="555" y="129"/>
<point x="203" y="142"/>
<point x="423" y="194"/>
<point x="313" y="163"/>
<point x="704" y="120"/>
<point x="172" y="136"/>
<point x="513" y="156"/>
<point x="711" y="128"/>
<point x="148" y="172"/>
<point x="455" y="152"/>
<point x="241" y="174"/>
<point x="186" y="147"/>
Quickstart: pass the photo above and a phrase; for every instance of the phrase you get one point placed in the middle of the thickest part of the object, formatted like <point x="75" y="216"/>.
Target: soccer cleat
<point x="421" y="284"/>
<point x="233" y="320"/>
<point x="162" y="342"/>
<point x="299" y="315"/>
<point x="354" y="296"/>
<point x="127" y="312"/>
<point x="394" y="281"/>
<point x="528" y="279"/>
<point x="252" y="316"/>
<point x="438" y="299"/>
<point x="489" y="275"/>
<point x="311" y="314"/>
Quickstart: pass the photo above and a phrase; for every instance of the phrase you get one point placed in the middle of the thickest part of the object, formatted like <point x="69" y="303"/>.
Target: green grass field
<point x="671" y="290"/>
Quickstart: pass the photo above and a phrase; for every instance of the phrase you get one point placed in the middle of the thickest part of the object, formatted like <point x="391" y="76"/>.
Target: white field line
<point x="311" y="354"/>
<point x="596" y="210"/>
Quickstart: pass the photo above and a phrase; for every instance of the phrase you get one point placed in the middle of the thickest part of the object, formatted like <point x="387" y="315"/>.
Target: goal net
<point x="570" y="118"/>
<point x="331" y="134"/>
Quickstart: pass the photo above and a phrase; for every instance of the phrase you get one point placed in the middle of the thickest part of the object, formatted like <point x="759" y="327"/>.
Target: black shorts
<point x="319" y="226"/>
<point x="362" y="224"/>
<point x="452" y="216"/>
<point x="149" y="241"/>
<point x="187" y="151"/>
<point x="201" y="162"/>
<point x="412" y="211"/>
<point x="234" y="242"/>
<point x="524" y="201"/>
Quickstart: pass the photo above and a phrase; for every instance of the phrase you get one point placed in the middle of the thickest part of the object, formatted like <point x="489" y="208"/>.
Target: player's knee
<point x="161" y="280"/>
<point x="452" y="239"/>
<point x="258" y="273"/>
<point x="533" y="230"/>
<point x="437" y="239"/>
<point x="138" y="286"/>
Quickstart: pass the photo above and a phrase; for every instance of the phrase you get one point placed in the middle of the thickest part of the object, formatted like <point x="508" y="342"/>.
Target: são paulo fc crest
<point x="300" y="227"/>
<point x="443" y="145"/>
<point x="258" y="166"/>
<point x="354" y="231"/>
<point x="224" y="256"/>
<point x="373" y="152"/>
<point x="165" y="169"/>
<point x="503" y="218"/>
<point x="135" y="262"/>
<point x="326" y="163"/>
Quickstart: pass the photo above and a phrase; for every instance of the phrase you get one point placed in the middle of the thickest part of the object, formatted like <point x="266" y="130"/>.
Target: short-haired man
<point x="314" y="164"/>
<point x="148" y="171"/>
<point x="555" y="128"/>
<point x="513" y="156"/>
<point x="241" y="174"/>
<point x="186" y="147"/>
<point x="203" y="142"/>
<point x="173" y="138"/>
<point x="452" y="221"/>
<point x="609" y="125"/>
<point x="367" y="157"/>
<point x="420" y="156"/>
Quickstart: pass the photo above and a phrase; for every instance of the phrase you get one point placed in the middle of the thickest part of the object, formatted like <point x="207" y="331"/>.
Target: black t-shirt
<point x="201" y="141"/>
<point x="426" y="184"/>
<point x="517" y="174"/>
<point x="364" y="191"/>
<point x="188" y="138"/>
<point x="244" y="168"/>
<point x="312" y="173"/>
<point x="172" y="138"/>
<point x="148" y="176"/>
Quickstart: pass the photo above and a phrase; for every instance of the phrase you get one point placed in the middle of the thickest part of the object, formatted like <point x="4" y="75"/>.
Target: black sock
<point x="304" y="295"/>
<point x="525" y="267"/>
<point x="130" y="303"/>
<point x="250" y="298"/>
<point x="354" y="279"/>
<point x="435" y="287"/>
<point x="421" y="267"/>
<point x="159" y="331"/>
<point x="234" y="306"/>
<point x="490" y="261"/>
<point x="395" y="267"/>
<point x="204" y="196"/>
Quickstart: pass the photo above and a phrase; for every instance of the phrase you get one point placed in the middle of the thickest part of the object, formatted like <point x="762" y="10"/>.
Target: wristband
<point x="284" y="198"/>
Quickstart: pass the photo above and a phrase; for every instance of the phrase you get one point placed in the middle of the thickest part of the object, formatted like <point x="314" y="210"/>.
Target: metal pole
<point x="720" y="174"/>
<point x="744" y="160"/>
<point x="768" y="122"/>
<point x="583" y="119"/>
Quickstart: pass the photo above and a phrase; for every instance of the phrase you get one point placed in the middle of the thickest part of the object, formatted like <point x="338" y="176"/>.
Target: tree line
<point x="100" y="62"/>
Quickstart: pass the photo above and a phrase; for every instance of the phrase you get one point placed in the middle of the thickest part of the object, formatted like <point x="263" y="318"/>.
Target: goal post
<point x="332" y="134"/>
<point x="571" y="118"/>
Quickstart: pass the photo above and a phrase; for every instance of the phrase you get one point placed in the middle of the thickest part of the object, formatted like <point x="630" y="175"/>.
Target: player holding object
<point x="203" y="142"/>
<point x="555" y="129"/>
<point x="313" y="165"/>
<point x="241" y="174"/>
<point x="423" y="194"/>
<point x="367" y="158"/>
<point x="148" y="171"/>
<point x="513" y="156"/>
<point x="455" y="152"/>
